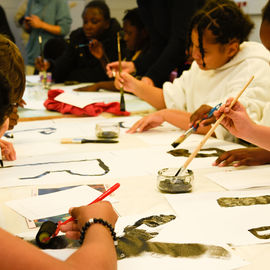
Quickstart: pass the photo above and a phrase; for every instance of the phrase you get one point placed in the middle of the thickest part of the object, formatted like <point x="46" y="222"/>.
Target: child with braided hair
<point x="223" y="63"/>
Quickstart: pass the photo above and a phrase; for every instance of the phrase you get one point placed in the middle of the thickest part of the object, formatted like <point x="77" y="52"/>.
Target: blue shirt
<point x="55" y="12"/>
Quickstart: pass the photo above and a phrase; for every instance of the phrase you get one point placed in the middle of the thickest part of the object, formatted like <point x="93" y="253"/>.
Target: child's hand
<point x="199" y="114"/>
<point x="41" y="64"/>
<point x="150" y="121"/>
<point x="236" y="120"/>
<point x="96" y="48"/>
<point x="113" y="67"/>
<point x="243" y="157"/>
<point x="82" y="214"/>
<point x="8" y="151"/>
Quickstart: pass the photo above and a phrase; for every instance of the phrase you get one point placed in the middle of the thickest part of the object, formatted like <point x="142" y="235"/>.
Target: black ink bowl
<point x="169" y="183"/>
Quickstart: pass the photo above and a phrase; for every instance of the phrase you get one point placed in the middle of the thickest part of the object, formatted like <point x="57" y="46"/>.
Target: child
<point x="97" y="251"/>
<point x="12" y="80"/>
<point x="90" y="48"/>
<point x="136" y="39"/>
<point x="240" y="125"/>
<point x="223" y="64"/>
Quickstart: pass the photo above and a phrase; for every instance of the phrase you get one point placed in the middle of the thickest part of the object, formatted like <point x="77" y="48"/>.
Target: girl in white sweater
<point x="222" y="65"/>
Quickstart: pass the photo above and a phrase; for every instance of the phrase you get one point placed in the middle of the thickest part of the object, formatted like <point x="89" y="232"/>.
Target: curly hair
<point x="133" y="16"/>
<point x="224" y="19"/>
<point x="102" y="6"/>
<point x="12" y="76"/>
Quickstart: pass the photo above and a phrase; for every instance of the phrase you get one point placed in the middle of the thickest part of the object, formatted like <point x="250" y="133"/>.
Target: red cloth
<point x="93" y="109"/>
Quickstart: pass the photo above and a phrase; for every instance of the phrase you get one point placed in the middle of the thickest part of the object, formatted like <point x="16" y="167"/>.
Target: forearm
<point x="258" y="135"/>
<point x="98" y="241"/>
<point x="53" y="29"/>
<point x="150" y="94"/>
<point x="19" y="254"/>
<point x="177" y="118"/>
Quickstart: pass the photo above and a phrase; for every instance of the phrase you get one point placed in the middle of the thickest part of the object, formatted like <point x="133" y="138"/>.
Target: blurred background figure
<point x="89" y="49"/>
<point x="45" y="18"/>
<point x="167" y="23"/>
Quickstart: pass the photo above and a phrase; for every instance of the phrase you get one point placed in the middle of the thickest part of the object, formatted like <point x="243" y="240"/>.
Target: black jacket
<point x="167" y="22"/>
<point x="78" y="64"/>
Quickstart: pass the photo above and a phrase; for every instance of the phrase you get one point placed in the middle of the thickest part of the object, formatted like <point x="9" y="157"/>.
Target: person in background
<point x="98" y="250"/>
<point x="4" y="26"/>
<point x="167" y="23"/>
<point x="90" y="48"/>
<point x="47" y="19"/>
<point x="136" y="38"/>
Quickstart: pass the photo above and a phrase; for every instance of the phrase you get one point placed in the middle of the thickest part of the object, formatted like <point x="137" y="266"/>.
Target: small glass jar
<point x="169" y="183"/>
<point x="106" y="130"/>
<point x="45" y="79"/>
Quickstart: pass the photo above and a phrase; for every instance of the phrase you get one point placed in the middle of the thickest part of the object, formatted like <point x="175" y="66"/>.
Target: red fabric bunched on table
<point x="93" y="109"/>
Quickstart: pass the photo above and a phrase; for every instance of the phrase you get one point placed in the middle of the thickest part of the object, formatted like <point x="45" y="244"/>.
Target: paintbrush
<point x="81" y="140"/>
<point x="42" y="57"/>
<point x="194" y="128"/>
<point x="1" y="159"/>
<point x="182" y="170"/>
<point x="122" y="99"/>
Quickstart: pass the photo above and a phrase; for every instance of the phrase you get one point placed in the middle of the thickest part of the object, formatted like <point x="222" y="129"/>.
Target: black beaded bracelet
<point x="100" y="221"/>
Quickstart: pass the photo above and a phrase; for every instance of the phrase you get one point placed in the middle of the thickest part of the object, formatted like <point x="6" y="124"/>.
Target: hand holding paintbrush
<point x="210" y="132"/>
<point x="195" y="127"/>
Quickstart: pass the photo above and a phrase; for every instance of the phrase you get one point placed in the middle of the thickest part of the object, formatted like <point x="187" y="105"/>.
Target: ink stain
<point x="135" y="242"/>
<point x="245" y="201"/>
<point x="185" y="153"/>
<point x="256" y="232"/>
<point x="107" y="135"/>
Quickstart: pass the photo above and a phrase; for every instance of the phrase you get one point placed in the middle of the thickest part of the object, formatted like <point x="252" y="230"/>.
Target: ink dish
<point x="107" y="130"/>
<point x="169" y="183"/>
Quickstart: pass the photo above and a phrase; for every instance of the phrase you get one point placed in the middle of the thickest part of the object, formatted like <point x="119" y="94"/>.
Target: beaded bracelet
<point x="100" y="221"/>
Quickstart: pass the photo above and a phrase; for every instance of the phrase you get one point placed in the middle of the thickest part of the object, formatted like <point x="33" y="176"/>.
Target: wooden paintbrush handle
<point x="211" y="131"/>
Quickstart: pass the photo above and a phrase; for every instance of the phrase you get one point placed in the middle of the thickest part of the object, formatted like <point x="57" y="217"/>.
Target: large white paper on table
<point x="158" y="261"/>
<point x="56" y="203"/>
<point x="242" y="177"/>
<point x="82" y="99"/>
<point x="202" y="219"/>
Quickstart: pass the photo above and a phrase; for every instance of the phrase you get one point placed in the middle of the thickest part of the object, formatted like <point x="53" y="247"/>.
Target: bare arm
<point x="240" y="125"/>
<point x="35" y="22"/>
<point x="175" y="117"/>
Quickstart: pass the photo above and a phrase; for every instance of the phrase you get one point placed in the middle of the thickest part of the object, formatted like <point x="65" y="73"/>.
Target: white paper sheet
<point x="55" y="203"/>
<point x="202" y="219"/>
<point x="242" y="177"/>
